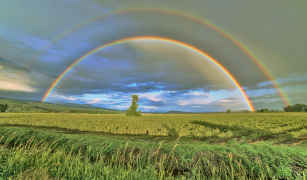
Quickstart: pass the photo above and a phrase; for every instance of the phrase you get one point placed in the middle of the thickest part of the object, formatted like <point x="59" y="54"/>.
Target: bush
<point x="3" y="107"/>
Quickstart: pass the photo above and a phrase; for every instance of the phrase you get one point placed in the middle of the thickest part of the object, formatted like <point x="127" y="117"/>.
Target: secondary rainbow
<point x="286" y="100"/>
<point x="58" y="80"/>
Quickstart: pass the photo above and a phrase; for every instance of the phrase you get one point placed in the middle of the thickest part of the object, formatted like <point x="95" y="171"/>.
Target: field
<point x="245" y="126"/>
<point x="235" y="146"/>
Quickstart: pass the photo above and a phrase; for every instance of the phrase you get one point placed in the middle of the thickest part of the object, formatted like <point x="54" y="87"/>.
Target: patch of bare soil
<point x="294" y="142"/>
<point x="298" y="142"/>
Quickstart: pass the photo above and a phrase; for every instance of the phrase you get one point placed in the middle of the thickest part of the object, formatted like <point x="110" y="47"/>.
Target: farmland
<point x="251" y="126"/>
<point x="278" y="140"/>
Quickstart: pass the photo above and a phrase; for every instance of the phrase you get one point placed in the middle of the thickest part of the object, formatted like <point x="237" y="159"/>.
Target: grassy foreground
<point x="31" y="150"/>
<point x="35" y="154"/>
<point x="41" y="160"/>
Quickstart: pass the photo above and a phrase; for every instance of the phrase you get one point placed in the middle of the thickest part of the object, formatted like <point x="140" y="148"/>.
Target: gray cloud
<point x="275" y="35"/>
<point x="12" y="65"/>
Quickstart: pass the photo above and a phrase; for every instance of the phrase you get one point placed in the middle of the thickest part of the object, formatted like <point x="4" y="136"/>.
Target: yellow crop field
<point x="197" y="125"/>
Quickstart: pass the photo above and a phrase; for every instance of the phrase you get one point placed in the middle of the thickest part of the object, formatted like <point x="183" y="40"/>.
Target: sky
<point x="40" y="39"/>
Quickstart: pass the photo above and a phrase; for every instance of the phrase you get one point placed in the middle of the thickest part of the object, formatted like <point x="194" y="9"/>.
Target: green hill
<point x="19" y="105"/>
<point x="178" y="112"/>
<point x="84" y="106"/>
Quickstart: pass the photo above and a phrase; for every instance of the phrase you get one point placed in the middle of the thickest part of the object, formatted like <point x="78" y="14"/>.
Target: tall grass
<point x="45" y="160"/>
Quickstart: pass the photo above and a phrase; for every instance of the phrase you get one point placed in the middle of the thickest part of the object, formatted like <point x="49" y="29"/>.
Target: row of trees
<point x="257" y="111"/>
<point x="268" y="111"/>
<point x="92" y="111"/>
<point x="238" y="111"/>
<point x="296" y="108"/>
<point x="132" y="111"/>
<point x="49" y="110"/>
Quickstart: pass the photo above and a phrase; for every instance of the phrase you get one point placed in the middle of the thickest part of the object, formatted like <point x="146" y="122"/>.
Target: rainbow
<point x="58" y="80"/>
<point x="286" y="100"/>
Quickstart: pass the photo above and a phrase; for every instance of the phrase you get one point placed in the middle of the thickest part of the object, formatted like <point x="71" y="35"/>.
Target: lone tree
<point x="228" y="111"/>
<point x="3" y="107"/>
<point x="132" y="110"/>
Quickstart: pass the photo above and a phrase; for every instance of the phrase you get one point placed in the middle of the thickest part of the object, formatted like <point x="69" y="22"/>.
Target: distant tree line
<point x="49" y="110"/>
<point x="92" y="111"/>
<point x="26" y="108"/>
<point x="238" y="111"/>
<point x="269" y="111"/>
<point x="257" y="111"/>
<point x="17" y="108"/>
<point x="296" y="108"/>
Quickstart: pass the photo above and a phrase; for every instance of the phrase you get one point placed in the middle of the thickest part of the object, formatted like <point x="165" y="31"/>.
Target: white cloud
<point x="61" y="97"/>
<point x="107" y="102"/>
<point x="122" y="107"/>
<point x="151" y="96"/>
<point x="71" y="98"/>
<point x="12" y="86"/>
<point x="150" y="107"/>
<point x="183" y="103"/>
<point x="94" y="101"/>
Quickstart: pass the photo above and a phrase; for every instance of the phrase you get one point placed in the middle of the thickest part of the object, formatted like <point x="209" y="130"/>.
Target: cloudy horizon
<point x="34" y="51"/>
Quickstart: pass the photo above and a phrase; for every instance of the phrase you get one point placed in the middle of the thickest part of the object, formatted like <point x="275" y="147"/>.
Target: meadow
<point x="189" y="146"/>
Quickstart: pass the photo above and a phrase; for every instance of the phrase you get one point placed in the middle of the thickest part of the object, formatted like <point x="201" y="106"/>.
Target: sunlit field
<point x="251" y="126"/>
<point x="193" y="146"/>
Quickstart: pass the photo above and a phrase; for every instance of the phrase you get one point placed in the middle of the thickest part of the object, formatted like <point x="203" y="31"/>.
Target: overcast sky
<point x="166" y="76"/>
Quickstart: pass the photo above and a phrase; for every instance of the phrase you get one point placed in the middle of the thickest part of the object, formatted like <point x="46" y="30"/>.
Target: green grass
<point x="41" y="160"/>
<point x="84" y="150"/>
<point x="40" y="149"/>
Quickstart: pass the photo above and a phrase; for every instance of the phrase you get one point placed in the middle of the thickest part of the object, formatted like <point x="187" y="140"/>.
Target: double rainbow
<point x="58" y="80"/>
<point x="244" y="48"/>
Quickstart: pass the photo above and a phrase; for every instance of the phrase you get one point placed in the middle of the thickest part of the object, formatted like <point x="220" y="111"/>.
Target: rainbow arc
<point x="286" y="100"/>
<point x="280" y="90"/>
<point x="138" y="38"/>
